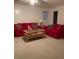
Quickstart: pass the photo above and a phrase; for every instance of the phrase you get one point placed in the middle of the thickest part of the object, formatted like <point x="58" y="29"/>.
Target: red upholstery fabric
<point x="18" y="30"/>
<point x="57" y="31"/>
<point x="20" y="27"/>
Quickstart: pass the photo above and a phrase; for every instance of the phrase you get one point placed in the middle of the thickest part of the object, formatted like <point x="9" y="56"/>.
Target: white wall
<point x="28" y="13"/>
<point x="60" y="14"/>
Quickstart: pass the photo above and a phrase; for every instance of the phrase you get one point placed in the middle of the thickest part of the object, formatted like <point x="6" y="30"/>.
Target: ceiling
<point x="50" y="3"/>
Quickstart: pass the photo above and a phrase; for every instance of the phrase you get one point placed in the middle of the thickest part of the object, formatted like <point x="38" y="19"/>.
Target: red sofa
<point x="56" y="31"/>
<point x="20" y="27"/>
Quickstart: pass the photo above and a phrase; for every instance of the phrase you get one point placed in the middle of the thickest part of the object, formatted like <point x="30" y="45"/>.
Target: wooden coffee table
<point x="33" y="34"/>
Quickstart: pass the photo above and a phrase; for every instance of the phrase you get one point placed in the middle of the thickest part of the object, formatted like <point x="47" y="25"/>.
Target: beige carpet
<point x="46" y="48"/>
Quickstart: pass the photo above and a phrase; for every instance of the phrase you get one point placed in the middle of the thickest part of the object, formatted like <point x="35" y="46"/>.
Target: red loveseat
<point x="20" y="27"/>
<point x="57" y="31"/>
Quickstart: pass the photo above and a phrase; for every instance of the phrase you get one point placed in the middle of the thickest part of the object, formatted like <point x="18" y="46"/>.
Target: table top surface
<point x="34" y="30"/>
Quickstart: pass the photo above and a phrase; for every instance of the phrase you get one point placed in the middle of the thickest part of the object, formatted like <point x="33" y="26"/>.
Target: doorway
<point x="55" y="17"/>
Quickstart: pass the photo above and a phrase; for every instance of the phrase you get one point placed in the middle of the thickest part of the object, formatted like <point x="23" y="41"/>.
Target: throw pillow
<point x="34" y="26"/>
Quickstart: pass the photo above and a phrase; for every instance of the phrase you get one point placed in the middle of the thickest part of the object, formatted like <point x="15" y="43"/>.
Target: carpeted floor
<point x="46" y="48"/>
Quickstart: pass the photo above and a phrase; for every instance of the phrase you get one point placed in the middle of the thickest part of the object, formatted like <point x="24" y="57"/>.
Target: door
<point x="55" y="17"/>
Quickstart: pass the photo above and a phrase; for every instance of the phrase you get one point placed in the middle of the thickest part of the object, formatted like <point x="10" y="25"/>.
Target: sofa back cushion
<point x="24" y="25"/>
<point x="60" y="26"/>
<point x="19" y="26"/>
<point x="57" y="26"/>
<point x="50" y="26"/>
<point x="34" y="26"/>
<point x="31" y="25"/>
